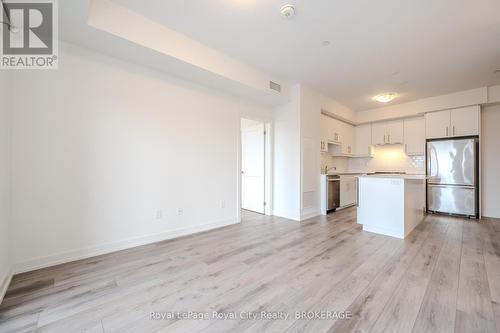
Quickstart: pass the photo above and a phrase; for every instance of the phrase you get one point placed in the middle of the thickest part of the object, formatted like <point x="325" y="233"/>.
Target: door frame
<point x="268" y="163"/>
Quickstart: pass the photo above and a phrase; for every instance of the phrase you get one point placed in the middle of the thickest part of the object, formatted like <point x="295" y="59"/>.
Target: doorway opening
<point x="254" y="166"/>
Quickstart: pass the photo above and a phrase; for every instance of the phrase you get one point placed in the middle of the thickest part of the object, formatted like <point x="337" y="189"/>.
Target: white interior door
<point x="253" y="168"/>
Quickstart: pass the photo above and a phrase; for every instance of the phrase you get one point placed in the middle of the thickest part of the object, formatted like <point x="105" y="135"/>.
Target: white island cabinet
<point x="391" y="205"/>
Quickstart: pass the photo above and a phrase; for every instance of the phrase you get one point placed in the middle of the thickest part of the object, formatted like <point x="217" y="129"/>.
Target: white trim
<point x="310" y="214"/>
<point x="287" y="215"/>
<point x="64" y="257"/>
<point x="383" y="231"/>
<point x="5" y="285"/>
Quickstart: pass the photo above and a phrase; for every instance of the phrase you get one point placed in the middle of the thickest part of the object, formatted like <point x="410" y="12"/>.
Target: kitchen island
<point x="391" y="204"/>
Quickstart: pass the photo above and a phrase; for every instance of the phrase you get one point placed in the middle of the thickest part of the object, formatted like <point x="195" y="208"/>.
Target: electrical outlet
<point x="159" y="214"/>
<point x="180" y="211"/>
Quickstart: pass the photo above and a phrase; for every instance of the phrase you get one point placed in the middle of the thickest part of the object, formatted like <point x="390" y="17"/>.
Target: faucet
<point x="328" y="169"/>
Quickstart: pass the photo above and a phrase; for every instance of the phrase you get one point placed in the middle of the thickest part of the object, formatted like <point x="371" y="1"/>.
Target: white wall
<point x="287" y="157"/>
<point x="182" y="54"/>
<point x="490" y="161"/>
<point x="5" y="163"/>
<point x="297" y="156"/>
<point x="312" y="103"/>
<point x="100" y="145"/>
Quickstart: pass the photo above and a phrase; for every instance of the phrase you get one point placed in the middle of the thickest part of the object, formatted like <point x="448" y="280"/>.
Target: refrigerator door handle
<point x="451" y="186"/>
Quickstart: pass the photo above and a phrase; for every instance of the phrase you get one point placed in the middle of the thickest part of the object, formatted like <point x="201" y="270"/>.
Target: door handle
<point x="467" y="187"/>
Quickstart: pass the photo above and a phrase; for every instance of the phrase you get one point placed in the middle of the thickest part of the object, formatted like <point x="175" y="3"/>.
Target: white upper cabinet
<point x="414" y="136"/>
<point x="395" y="132"/>
<point x="387" y="132"/>
<point x="336" y="135"/>
<point x="451" y="123"/>
<point x="379" y="135"/>
<point x="335" y="130"/>
<point x="437" y="124"/>
<point x="363" y="140"/>
<point x="324" y="134"/>
<point x="347" y="138"/>
<point x="465" y="121"/>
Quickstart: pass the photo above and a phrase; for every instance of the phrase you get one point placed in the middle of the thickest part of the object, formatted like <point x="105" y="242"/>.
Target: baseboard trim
<point x="309" y="215"/>
<point x="5" y="285"/>
<point x="383" y="231"/>
<point x="69" y="256"/>
<point x="287" y="215"/>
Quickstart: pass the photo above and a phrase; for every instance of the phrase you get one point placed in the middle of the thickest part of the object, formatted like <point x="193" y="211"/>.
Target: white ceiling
<point x="417" y="48"/>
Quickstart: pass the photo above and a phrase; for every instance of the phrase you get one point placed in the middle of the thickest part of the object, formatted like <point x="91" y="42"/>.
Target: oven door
<point x="333" y="194"/>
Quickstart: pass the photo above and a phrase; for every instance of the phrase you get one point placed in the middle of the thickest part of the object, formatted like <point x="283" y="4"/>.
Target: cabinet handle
<point x="389" y="138"/>
<point x="406" y="148"/>
<point x="453" y="130"/>
<point x="384" y="138"/>
<point x="446" y="130"/>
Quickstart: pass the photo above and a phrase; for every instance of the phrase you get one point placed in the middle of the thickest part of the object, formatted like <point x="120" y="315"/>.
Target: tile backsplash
<point x="385" y="158"/>
<point x="388" y="158"/>
<point x="338" y="164"/>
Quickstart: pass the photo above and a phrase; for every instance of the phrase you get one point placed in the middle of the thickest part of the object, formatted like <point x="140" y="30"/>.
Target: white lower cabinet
<point x="348" y="191"/>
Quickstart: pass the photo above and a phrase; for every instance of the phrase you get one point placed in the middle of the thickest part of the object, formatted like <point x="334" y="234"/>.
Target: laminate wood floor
<point x="444" y="278"/>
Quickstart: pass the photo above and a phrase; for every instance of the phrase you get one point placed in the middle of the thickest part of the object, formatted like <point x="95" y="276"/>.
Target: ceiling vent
<point x="274" y="86"/>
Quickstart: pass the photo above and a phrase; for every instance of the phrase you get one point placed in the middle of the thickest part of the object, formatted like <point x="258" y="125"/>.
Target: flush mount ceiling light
<point x="287" y="11"/>
<point x="385" y="97"/>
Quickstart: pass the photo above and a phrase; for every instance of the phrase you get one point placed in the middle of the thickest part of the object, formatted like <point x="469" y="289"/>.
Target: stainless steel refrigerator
<point x="452" y="171"/>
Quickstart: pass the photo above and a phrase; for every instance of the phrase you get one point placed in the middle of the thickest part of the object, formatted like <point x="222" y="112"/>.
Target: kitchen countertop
<point x="344" y="173"/>
<point x="402" y="176"/>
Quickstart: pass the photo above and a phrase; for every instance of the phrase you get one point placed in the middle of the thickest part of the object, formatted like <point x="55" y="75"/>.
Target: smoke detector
<point x="287" y="11"/>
